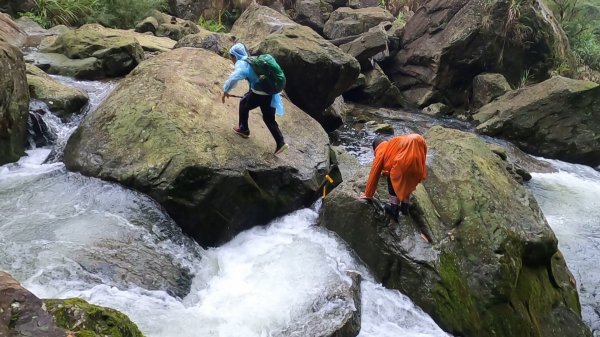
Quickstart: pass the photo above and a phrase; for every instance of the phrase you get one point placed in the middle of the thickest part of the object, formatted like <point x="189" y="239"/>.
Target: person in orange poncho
<point x="402" y="160"/>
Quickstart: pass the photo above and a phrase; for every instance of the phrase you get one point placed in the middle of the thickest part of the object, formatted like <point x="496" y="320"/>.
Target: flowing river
<point x="65" y="235"/>
<point x="568" y="197"/>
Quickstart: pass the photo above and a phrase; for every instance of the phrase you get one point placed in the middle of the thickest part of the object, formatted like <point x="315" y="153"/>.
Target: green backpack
<point x="271" y="79"/>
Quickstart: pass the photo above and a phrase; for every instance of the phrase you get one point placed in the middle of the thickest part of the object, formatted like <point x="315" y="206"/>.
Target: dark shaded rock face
<point x="13" y="7"/>
<point x="193" y="9"/>
<point x="223" y="10"/>
<point x="558" y="118"/>
<point x="22" y="313"/>
<point x="346" y="21"/>
<point x="317" y="71"/>
<point x="487" y="87"/>
<point x="14" y="103"/>
<point x="312" y="13"/>
<point x="492" y="267"/>
<point x="366" y="46"/>
<point x="376" y="90"/>
<point x="447" y="43"/>
<point x="164" y="131"/>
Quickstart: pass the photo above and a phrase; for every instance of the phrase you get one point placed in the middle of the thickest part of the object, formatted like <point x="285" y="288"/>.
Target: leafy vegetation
<point x="524" y="78"/>
<point x="112" y="13"/>
<point x="404" y="7"/>
<point x="580" y="21"/>
<point x="212" y="25"/>
<point x="511" y="25"/>
<point x="49" y="13"/>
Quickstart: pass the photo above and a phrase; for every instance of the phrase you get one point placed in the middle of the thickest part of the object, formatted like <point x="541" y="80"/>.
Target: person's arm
<point x="374" y="176"/>
<point x="239" y="73"/>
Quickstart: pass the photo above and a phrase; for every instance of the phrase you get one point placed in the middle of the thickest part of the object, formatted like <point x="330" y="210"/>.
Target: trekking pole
<point x="236" y="96"/>
<point x="327" y="178"/>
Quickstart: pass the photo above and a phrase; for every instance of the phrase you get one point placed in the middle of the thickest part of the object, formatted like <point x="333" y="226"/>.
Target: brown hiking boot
<point x="242" y="133"/>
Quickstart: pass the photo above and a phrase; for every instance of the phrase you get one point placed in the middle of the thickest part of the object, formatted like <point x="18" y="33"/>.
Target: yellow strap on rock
<point x="325" y="186"/>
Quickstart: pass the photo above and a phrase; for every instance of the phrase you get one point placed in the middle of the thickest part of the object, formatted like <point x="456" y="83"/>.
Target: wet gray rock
<point x="475" y="252"/>
<point x="558" y="118"/>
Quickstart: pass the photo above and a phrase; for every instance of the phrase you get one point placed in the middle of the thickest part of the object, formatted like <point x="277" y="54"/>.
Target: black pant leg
<point x="390" y="187"/>
<point x="247" y="103"/>
<point x="269" y="118"/>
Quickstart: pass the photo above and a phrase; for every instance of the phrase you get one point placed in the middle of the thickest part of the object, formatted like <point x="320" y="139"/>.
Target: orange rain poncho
<point x="403" y="159"/>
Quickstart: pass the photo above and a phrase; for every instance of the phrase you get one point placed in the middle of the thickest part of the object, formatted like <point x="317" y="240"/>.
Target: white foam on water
<point x="268" y="281"/>
<point x="570" y="201"/>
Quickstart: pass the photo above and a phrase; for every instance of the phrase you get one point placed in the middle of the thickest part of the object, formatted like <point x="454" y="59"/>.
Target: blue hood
<point x="239" y="51"/>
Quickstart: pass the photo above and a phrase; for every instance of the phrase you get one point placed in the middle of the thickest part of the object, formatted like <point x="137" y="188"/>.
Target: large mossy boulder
<point x="58" y="64"/>
<point x="164" y="25"/>
<point x="445" y="44"/>
<point x="22" y="313"/>
<point x="117" y="55"/>
<point x="14" y="104"/>
<point x="93" y="52"/>
<point x="317" y="71"/>
<point x="149" y="43"/>
<point x="491" y="266"/>
<point x="165" y="132"/>
<point x="88" y="320"/>
<point x="61" y="99"/>
<point x="558" y="118"/>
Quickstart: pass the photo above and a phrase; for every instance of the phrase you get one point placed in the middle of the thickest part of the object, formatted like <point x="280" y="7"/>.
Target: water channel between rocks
<point x="65" y="235"/>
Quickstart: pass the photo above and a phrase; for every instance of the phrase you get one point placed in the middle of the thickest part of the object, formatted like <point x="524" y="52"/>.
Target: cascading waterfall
<point x="265" y="281"/>
<point x="65" y="235"/>
<point x="570" y="201"/>
<point x="60" y="132"/>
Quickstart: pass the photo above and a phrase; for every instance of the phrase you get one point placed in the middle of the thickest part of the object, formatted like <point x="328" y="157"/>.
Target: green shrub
<point x="49" y="13"/>
<point x="211" y="25"/>
<point x="112" y="13"/>
<point x="125" y="13"/>
<point x="587" y="49"/>
<point x="580" y="19"/>
<point x="42" y="21"/>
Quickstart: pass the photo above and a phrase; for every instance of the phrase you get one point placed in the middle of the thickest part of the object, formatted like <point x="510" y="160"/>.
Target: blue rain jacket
<point x="243" y="71"/>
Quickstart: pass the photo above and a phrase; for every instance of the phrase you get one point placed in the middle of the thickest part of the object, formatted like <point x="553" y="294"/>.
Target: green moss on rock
<point x="88" y="320"/>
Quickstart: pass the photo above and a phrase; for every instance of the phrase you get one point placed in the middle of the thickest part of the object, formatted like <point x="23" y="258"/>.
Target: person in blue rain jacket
<point x="269" y="104"/>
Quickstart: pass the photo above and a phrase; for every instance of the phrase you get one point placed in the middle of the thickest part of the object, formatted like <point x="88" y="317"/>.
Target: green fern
<point x="212" y="25"/>
<point x="49" y="13"/>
